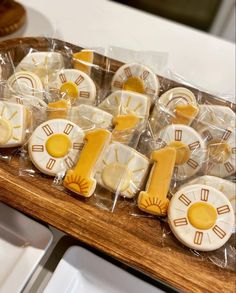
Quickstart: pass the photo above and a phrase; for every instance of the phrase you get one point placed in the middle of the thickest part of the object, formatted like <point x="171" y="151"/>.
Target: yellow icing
<point x="69" y="89"/>
<point x="154" y="200"/>
<point x="219" y="152"/>
<point x="116" y="176"/>
<point x="5" y="131"/>
<point x="58" y="145"/>
<point x="202" y="215"/>
<point x="58" y="109"/>
<point x="83" y="60"/>
<point x="182" y="152"/>
<point x="125" y="122"/>
<point x="80" y="180"/>
<point x="184" y="114"/>
<point x="134" y="84"/>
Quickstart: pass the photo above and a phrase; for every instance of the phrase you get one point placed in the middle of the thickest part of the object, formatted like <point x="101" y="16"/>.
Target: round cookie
<point x="177" y="96"/>
<point x="126" y="102"/>
<point x="75" y="84"/>
<point x="215" y="115"/>
<point x="221" y="150"/>
<point x="190" y="149"/>
<point x="201" y="217"/>
<point x="25" y="83"/>
<point x="137" y="78"/>
<point x="43" y="64"/>
<point x="54" y="146"/>
<point x="13" y="124"/>
<point x="225" y="186"/>
<point x="122" y="170"/>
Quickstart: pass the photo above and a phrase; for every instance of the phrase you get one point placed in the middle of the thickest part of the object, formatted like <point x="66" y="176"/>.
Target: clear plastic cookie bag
<point x="65" y="110"/>
<point x="15" y="118"/>
<point x="210" y="152"/>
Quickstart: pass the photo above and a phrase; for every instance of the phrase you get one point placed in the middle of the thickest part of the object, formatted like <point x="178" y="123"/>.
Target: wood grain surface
<point x="137" y="242"/>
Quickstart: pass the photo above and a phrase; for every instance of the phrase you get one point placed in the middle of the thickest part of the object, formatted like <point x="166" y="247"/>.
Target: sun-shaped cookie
<point x="87" y="116"/>
<point x="126" y="102"/>
<point x="215" y="115"/>
<point x="122" y="170"/>
<point x="190" y="149"/>
<point x="13" y="124"/>
<point x="137" y="78"/>
<point x="201" y="217"/>
<point x="221" y="150"/>
<point x="44" y="64"/>
<point x="75" y="84"/>
<point x="55" y="145"/>
<point x="225" y="186"/>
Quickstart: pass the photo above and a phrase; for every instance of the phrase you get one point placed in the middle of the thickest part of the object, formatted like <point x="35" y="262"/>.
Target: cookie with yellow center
<point x="201" y="217"/>
<point x="55" y="145"/>
<point x="136" y="77"/>
<point x="122" y="169"/>
<point x="190" y="149"/>
<point x="221" y="150"/>
<point x="13" y="124"/>
<point x="74" y="84"/>
<point x="225" y="186"/>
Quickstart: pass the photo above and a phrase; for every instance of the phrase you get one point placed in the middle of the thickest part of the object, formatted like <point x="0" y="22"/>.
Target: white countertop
<point x="200" y="58"/>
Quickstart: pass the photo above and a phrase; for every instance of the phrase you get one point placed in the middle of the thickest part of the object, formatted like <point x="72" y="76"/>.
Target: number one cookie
<point x="124" y="126"/>
<point x="80" y="179"/>
<point x="154" y="199"/>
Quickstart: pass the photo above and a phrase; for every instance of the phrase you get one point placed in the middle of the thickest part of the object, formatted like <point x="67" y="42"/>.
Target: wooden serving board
<point x="135" y="241"/>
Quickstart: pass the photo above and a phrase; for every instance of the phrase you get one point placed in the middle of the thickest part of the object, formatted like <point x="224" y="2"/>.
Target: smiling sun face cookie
<point x="122" y="169"/>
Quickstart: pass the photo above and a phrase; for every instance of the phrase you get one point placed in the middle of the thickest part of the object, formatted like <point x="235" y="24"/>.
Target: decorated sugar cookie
<point x="225" y="186"/>
<point x="177" y="96"/>
<point x="89" y="116"/>
<point x="190" y="149"/>
<point x="221" y="150"/>
<point x="122" y="170"/>
<point x="43" y="64"/>
<point x="154" y="200"/>
<point x="81" y="179"/>
<point x="25" y="83"/>
<point x="137" y="78"/>
<point x="75" y="84"/>
<point x="201" y="217"/>
<point x="126" y="102"/>
<point x="54" y="146"/>
<point x="215" y="115"/>
<point x="13" y="124"/>
<point x="176" y="106"/>
<point x="83" y="60"/>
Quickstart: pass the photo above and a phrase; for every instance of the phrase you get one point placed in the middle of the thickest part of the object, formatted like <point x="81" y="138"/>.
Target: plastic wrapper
<point x="120" y="137"/>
